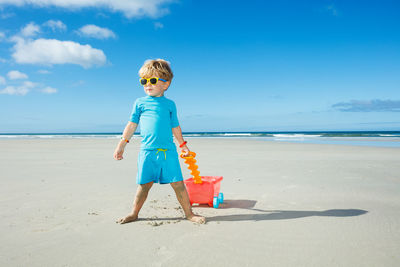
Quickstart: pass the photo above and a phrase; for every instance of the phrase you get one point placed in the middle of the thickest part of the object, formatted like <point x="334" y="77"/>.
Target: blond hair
<point x="156" y="67"/>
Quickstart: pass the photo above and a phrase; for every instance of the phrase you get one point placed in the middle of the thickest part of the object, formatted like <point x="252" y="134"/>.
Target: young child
<point x="158" y="159"/>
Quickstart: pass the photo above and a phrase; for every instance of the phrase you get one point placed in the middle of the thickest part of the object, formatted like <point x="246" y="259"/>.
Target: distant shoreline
<point x="241" y="133"/>
<point x="357" y="138"/>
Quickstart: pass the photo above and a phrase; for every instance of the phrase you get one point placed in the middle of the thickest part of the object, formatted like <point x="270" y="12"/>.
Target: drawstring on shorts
<point x="163" y="150"/>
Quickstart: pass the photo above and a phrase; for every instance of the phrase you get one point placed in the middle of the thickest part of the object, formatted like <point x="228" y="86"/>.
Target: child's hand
<point x="118" y="153"/>
<point x="185" y="151"/>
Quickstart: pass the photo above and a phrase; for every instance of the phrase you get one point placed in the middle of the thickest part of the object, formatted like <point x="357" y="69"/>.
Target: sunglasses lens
<point x="143" y="81"/>
<point x="153" y="80"/>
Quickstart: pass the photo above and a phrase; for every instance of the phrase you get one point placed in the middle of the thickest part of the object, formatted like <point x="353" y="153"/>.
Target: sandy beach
<point x="286" y="204"/>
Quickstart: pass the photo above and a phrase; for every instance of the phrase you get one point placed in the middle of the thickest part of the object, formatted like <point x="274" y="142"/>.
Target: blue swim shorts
<point x="159" y="166"/>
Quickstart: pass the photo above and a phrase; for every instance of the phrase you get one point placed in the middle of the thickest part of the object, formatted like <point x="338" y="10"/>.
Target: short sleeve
<point x="136" y="111"/>
<point x="174" y="116"/>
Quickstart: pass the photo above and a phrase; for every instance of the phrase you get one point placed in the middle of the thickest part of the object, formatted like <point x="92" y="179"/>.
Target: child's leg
<point x="141" y="195"/>
<point x="183" y="198"/>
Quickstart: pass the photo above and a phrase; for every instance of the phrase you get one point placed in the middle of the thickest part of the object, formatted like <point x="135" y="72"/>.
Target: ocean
<point x="358" y="138"/>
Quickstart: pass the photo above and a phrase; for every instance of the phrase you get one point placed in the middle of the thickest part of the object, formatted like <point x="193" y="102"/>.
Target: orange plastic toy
<point x="193" y="167"/>
<point x="202" y="189"/>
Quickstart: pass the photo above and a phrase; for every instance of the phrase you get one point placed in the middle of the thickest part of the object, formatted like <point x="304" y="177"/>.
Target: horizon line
<point x="211" y="132"/>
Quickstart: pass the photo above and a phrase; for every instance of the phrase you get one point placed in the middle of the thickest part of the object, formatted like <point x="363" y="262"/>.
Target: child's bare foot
<point x="127" y="219"/>
<point x="196" y="218"/>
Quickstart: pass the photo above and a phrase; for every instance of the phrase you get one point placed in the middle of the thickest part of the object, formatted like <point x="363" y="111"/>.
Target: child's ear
<point x="167" y="84"/>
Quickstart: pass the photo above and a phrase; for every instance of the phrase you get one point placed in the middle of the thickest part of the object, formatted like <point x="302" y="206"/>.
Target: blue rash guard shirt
<point x="156" y="117"/>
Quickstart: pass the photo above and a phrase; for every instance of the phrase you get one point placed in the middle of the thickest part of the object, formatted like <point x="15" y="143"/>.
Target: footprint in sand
<point x="155" y="223"/>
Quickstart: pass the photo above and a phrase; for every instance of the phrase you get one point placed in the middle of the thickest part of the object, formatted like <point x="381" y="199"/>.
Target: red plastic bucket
<point x="205" y="192"/>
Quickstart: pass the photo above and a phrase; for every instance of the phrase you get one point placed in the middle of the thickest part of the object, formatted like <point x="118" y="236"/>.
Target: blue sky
<point x="71" y="66"/>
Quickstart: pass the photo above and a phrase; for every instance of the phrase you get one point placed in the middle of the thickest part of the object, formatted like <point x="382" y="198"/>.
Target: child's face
<point x="157" y="89"/>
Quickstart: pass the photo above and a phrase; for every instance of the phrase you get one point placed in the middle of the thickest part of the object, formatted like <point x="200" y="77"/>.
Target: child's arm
<point x="178" y="135"/>
<point x="129" y="130"/>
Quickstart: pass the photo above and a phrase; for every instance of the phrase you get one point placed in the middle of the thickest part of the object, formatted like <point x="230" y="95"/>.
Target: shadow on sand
<point x="276" y="214"/>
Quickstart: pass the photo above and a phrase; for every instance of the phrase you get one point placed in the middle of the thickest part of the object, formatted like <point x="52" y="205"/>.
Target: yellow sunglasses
<point x="152" y="80"/>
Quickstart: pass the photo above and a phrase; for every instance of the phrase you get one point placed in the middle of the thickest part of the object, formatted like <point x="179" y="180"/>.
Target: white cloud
<point x="130" y="8"/>
<point x="102" y="15"/>
<point x="12" y="90"/>
<point x="49" y="90"/>
<point x="2" y="35"/>
<point x="30" y="30"/>
<point x="29" y="84"/>
<point x="23" y="89"/>
<point x="2" y="60"/>
<point x="374" y="105"/>
<point x="332" y="9"/>
<point x="158" y="25"/>
<point x="78" y="83"/>
<point x="52" y="51"/>
<point x="7" y="15"/>
<point x="55" y="25"/>
<point x="16" y="75"/>
<point x="43" y="71"/>
<point x="96" y="32"/>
